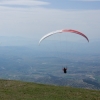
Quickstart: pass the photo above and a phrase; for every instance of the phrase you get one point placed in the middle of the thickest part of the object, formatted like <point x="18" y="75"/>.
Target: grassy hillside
<point x="17" y="90"/>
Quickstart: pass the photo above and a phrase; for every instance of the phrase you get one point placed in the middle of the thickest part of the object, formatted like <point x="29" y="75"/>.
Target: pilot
<point x="65" y="70"/>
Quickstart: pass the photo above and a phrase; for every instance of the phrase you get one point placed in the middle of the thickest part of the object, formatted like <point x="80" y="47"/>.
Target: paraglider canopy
<point x="62" y="31"/>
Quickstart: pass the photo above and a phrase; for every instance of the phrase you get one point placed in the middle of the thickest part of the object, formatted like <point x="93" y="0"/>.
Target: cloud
<point x="22" y="3"/>
<point x="37" y="21"/>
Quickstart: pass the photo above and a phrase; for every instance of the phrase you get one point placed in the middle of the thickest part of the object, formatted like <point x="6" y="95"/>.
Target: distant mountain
<point x="78" y="47"/>
<point x="15" y="41"/>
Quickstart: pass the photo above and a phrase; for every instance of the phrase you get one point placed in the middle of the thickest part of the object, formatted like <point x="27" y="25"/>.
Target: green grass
<point x="17" y="90"/>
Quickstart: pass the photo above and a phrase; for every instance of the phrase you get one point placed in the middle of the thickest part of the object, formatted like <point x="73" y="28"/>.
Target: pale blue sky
<point x="35" y="18"/>
<point x="74" y="4"/>
<point x="56" y="4"/>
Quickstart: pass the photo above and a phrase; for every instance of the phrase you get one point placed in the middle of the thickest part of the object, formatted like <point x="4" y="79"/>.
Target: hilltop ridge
<point x="18" y="90"/>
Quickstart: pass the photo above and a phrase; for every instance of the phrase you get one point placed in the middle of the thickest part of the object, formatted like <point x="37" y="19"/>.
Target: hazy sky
<point x="35" y="18"/>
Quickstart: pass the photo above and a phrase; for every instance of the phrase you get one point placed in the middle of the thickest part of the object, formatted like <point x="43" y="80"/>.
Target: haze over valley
<point x="37" y="63"/>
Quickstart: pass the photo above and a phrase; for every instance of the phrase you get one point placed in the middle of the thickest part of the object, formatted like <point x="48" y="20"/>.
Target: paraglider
<point x="63" y="31"/>
<point x="65" y="70"/>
